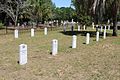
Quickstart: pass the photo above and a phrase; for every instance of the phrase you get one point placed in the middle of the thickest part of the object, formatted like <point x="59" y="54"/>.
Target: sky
<point x="62" y="3"/>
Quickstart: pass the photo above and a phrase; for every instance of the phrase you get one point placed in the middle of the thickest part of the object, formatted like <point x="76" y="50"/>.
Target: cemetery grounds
<point x="96" y="61"/>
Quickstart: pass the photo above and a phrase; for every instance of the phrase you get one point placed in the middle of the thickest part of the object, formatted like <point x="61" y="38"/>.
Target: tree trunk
<point x="114" y="16"/>
<point x="115" y="26"/>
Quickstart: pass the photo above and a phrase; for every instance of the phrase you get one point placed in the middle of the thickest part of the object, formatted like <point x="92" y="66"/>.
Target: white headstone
<point x="57" y="22"/>
<point x="18" y="24"/>
<point x="84" y="27"/>
<point x="111" y="24"/>
<point x="101" y="28"/>
<point x="32" y="32"/>
<point x="87" y="38"/>
<point x="54" y="47"/>
<point x="105" y="27"/>
<point x="16" y="33"/>
<point x="45" y="31"/>
<point x="78" y="27"/>
<point x="97" y="36"/>
<point x="22" y="54"/>
<point x="108" y="21"/>
<point x="104" y="34"/>
<point x="72" y="21"/>
<point x="96" y="25"/>
<point x="108" y="27"/>
<point x="93" y="25"/>
<point x="74" y="41"/>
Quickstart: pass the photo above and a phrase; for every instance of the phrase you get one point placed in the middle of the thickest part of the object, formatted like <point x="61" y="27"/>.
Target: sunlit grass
<point x="96" y="61"/>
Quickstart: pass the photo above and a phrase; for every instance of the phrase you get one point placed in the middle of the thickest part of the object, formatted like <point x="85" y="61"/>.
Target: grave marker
<point x="108" y="27"/>
<point x="104" y="34"/>
<point x="45" y="31"/>
<point x="87" y="38"/>
<point x="101" y="28"/>
<point x="16" y="33"/>
<point x="93" y="25"/>
<point x="78" y="27"/>
<point x="32" y="32"/>
<point x="54" y="47"/>
<point x="84" y="27"/>
<point x="97" y="36"/>
<point x="22" y="54"/>
<point x="74" y="41"/>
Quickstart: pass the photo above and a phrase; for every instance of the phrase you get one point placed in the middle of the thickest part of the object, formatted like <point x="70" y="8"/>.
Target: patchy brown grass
<point x="96" y="61"/>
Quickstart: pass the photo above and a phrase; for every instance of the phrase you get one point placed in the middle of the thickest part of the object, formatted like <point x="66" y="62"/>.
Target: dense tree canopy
<point x="64" y="13"/>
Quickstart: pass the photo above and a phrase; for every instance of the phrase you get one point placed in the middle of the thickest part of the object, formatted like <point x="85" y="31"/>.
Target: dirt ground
<point x="96" y="61"/>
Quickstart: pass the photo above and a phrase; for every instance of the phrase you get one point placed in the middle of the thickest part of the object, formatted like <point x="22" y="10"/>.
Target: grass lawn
<point x="96" y="61"/>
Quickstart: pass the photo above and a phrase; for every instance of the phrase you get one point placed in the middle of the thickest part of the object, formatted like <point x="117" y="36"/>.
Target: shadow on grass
<point x="83" y="33"/>
<point x="70" y="46"/>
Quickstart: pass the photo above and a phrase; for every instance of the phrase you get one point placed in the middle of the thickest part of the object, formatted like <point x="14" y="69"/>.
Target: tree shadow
<point x="83" y="33"/>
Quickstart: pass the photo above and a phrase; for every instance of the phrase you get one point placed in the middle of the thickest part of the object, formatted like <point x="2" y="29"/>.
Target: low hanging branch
<point x="12" y="8"/>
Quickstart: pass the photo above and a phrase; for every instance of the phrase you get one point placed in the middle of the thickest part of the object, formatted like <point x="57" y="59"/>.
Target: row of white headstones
<point x="16" y="32"/>
<point x="23" y="47"/>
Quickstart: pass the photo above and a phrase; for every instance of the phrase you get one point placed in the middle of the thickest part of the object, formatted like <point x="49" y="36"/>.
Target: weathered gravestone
<point x="74" y="41"/>
<point x="22" y="54"/>
<point x="87" y="38"/>
<point x="54" y="47"/>
<point x="16" y="33"/>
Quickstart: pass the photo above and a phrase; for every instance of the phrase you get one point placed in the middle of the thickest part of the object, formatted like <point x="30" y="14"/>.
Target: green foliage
<point x="82" y="11"/>
<point x="85" y="20"/>
<point x="40" y="9"/>
<point x="64" y="13"/>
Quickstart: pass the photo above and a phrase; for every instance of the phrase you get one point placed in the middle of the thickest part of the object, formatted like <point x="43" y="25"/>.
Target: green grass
<point x="96" y="61"/>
